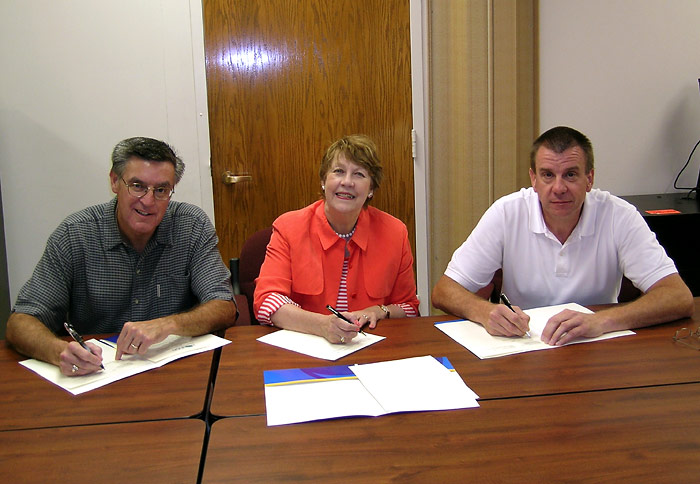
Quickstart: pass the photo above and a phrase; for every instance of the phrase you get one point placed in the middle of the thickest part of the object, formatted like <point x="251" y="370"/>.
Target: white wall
<point x="625" y="73"/>
<point x="77" y="77"/>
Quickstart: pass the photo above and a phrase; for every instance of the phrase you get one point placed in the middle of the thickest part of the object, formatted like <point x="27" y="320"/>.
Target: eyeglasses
<point x="139" y="191"/>
<point x="688" y="337"/>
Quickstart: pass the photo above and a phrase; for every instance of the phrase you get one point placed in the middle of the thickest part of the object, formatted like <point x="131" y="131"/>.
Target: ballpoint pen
<point x="74" y="334"/>
<point x="505" y="300"/>
<point x="337" y="314"/>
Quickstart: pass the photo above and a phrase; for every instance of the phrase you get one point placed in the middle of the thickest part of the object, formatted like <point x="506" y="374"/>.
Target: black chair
<point x="245" y="269"/>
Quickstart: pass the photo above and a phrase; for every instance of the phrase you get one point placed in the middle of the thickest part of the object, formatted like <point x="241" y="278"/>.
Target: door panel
<point x="285" y="78"/>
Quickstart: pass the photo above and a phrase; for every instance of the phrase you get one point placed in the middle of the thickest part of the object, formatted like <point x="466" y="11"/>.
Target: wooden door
<point x="285" y="78"/>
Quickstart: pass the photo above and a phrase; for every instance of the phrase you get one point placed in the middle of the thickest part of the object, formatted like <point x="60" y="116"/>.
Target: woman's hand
<point x="336" y="330"/>
<point x="368" y="316"/>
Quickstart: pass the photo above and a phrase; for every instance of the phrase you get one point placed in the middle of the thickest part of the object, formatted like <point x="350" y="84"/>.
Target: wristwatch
<point x="386" y="310"/>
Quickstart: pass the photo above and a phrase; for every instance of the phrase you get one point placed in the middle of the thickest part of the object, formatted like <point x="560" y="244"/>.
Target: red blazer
<point x="304" y="261"/>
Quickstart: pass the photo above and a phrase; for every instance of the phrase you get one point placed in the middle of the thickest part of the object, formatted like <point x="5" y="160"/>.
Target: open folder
<point x="476" y="339"/>
<point x="407" y="385"/>
<point x="171" y="348"/>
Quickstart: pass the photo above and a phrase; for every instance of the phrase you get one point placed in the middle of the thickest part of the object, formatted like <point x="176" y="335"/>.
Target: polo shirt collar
<point x="536" y="217"/>
<point x="586" y="224"/>
<point x="584" y="227"/>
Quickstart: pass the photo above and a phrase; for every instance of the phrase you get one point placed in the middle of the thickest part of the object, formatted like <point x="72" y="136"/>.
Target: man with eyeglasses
<point x="141" y="265"/>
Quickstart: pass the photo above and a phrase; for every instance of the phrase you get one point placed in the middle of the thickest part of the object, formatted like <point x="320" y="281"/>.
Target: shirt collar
<point x="536" y="218"/>
<point x="586" y="224"/>
<point x="110" y="229"/>
<point x="327" y="235"/>
<point x="584" y="227"/>
<point x="113" y="237"/>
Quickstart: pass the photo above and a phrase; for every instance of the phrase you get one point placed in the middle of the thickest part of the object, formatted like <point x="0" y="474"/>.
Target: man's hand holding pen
<point x="75" y="360"/>
<point x="507" y="320"/>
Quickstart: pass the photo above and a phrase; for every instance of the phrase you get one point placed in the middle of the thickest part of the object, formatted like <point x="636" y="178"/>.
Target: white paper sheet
<point x="414" y="384"/>
<point x="171" y="348"/>
<point x="476" y="339"/>
<point x="305" y="402"/>
<point x="303" y="395"/>
<point x="316" y="346"/>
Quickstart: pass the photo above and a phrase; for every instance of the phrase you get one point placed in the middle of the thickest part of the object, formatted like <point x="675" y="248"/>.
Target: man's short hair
<point x="147" y="149"/>
<point x="560" y="139"/>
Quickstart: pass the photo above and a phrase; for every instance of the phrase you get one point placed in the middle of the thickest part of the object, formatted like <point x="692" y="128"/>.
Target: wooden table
<point x="630" y="435"/>
<point x="175" y="390"/>
<point x="165" y="451"/>
<point x="650" y="357"/>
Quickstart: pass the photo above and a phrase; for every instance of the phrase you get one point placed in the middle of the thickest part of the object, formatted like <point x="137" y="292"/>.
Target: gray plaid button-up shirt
<point x="89" y="276"/>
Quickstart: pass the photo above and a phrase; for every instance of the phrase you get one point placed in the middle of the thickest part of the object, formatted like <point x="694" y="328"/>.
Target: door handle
<point x="230" y="179"/>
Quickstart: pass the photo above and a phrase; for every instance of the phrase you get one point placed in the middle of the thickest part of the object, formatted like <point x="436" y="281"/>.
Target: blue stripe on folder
<point x="445" y="362"/>
<point x="303" y="375"/>
<point x="320" y="374"/>
<point x="450" y="321"/>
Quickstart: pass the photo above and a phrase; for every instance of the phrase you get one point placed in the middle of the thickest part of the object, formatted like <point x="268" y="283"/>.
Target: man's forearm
<point x="667" y="300"/>
<point x="205" y="318"/>
<point x="451" y="297"/>
<point x="32" y="338"/>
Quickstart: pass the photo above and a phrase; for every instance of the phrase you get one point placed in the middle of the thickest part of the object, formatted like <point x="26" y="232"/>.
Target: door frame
<point x="421" y="144"/>
<point x="419" y="81"/>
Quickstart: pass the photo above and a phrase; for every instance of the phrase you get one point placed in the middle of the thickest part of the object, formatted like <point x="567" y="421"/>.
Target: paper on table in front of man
<point x="476" y="339"/>
<point x="171" y="348"/>
<point x="317" y="346"/>
<point x="306" y="394"/>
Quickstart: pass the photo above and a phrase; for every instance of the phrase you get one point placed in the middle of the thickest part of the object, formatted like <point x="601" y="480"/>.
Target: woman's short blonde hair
<point x="359" y="149"/>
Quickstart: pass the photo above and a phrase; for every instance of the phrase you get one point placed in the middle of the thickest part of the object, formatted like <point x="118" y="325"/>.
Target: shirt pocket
<point x="172" y="294"/>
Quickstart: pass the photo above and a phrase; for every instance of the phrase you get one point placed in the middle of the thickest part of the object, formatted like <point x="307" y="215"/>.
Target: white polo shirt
<point x="610" y="239"/>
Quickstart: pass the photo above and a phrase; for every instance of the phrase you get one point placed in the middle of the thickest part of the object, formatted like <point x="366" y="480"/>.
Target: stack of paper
<point x="476" y="339"/>
<point x="412" y="384"/>
<point x="171" y="348"/>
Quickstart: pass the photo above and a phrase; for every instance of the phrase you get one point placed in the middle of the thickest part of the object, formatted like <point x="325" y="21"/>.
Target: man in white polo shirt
<point x="561" y="241"/>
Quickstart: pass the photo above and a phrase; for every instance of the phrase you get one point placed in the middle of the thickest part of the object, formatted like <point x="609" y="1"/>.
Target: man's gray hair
<point x="147" y="149"/>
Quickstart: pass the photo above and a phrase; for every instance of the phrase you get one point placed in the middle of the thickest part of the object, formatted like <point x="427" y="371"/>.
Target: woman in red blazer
<point x="338" y="251"/>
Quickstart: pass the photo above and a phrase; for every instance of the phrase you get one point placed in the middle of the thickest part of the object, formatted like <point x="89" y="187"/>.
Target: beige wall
<point x="483" y="112"/>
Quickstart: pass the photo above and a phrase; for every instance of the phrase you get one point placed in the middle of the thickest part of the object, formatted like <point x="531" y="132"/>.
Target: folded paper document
<point x="412" y="384"/>
<point x="171" y="348"/>
<point x="476" y="339"/>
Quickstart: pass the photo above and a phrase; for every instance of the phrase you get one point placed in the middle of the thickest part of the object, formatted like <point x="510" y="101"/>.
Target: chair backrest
<point x="248" y="267"/>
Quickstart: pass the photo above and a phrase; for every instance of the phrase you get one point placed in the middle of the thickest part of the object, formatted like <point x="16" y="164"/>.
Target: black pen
<point x="74" y="334"/>
<point x="337" y="314"/>
<point x="505" y="300"/>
